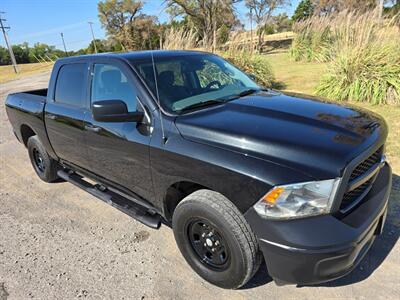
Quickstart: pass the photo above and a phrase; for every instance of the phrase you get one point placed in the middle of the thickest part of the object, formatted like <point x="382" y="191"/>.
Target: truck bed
<point x="26" y="108"/>
<point x="39" y="92"/>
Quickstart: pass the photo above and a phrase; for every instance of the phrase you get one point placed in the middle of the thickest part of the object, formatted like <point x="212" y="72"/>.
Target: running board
<point x="142" y="214"/>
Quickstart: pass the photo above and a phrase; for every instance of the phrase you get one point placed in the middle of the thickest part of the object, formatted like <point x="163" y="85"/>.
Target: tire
<point x="44" y="166"/>
<point x="207" y="212"/>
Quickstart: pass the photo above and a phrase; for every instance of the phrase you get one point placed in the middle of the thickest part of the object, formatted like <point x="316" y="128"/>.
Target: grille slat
<point x="353" y="195"/>
<point x="366" y="164"/>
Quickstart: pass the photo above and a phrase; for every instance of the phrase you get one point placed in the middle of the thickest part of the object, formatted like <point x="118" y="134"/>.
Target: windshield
<point x="185" y="81"/>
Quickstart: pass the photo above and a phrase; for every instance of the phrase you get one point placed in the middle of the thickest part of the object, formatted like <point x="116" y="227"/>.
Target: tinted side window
<point x="110" y="83"/>
<point x="70" y="85"/>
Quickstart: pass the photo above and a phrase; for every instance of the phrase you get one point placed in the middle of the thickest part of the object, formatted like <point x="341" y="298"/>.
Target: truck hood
<point x="313" y="136"/>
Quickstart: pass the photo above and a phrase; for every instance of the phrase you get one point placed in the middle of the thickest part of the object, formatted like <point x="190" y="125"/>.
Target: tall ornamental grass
<point x="179" y="39"/>
<point x="244" y="56"/>
<point x="362" y="51"/>
<point x="255" y="65"/>
<point x="313" y="39"/>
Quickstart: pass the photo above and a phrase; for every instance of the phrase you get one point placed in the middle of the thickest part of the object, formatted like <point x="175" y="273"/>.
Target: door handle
<point x="51" y="116"/>
<point x="92" y="128"/>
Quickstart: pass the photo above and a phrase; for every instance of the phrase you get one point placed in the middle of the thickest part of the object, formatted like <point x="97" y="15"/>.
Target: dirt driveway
<point x="58" y="242"/>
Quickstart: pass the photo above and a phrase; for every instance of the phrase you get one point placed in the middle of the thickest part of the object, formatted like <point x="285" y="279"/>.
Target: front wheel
<point x="215" y="239"/>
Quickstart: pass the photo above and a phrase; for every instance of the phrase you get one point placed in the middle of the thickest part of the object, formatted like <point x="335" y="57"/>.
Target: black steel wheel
<point x="208" y="244"/>
<point x="44" y="166"/>
<point x="38" y="160"/>
<point x="215" y="239"/>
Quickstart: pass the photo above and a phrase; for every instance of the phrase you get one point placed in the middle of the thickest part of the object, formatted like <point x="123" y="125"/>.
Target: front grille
<point x="352" y="197"/>
<point x="365" y="165"/>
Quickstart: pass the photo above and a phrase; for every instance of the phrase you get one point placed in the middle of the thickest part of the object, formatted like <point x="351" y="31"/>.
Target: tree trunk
<point x="260" y="41"/>
<point x="380" y="8"/>
<point x="214" y="36"/>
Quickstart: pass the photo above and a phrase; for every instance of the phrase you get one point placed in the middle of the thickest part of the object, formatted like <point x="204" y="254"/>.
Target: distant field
<point x="7" y="72"/>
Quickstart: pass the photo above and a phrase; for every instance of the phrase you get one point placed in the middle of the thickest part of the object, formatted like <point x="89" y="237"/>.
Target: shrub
<point x="373" y="76"/>
<point x="362" y="51"/>
<point x="255" y="64"/>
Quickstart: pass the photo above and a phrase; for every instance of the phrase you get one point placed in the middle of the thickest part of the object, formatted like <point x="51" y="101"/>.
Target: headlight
<point x="298" y="200"/>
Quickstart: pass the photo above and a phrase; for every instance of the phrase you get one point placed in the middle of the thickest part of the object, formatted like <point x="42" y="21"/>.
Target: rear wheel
<point x="215" y="239"/>
<point x="44" y="166"/>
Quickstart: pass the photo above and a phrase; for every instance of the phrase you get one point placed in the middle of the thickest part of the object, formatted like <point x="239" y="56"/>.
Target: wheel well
<point x="26" y="133"/>
<point x="175" y="194"/>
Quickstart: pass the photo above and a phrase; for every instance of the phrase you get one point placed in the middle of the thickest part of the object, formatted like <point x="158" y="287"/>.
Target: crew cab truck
<point x="240" y="172"/>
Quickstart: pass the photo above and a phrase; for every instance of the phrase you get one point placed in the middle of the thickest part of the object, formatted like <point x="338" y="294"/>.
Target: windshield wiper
<point x="220" y="100"/>
<point x="243" y="93"/>
<point x="203" y="104"/>
<point x="248" y="92"/>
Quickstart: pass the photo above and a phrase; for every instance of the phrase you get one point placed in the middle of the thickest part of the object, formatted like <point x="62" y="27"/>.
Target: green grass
<point x="303" y="77"/>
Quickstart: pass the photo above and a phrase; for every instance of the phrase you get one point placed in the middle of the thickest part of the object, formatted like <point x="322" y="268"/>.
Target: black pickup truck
<point x="240" y="172"/>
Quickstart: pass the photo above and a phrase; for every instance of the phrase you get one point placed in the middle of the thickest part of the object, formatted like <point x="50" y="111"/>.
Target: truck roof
<point x="136" y="55"/>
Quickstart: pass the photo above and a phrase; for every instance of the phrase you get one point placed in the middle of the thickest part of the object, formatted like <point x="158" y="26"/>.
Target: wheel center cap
<point x="209" y="242"/>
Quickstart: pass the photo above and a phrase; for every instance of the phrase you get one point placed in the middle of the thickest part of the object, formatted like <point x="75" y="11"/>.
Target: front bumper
<point x="322" y="248"/>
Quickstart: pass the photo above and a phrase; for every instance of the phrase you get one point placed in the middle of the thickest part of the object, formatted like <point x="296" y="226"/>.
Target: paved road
<point x="57" y="242"/>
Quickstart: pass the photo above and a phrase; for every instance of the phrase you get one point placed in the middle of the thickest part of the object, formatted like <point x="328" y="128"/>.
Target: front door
<point x="118" y="152"/>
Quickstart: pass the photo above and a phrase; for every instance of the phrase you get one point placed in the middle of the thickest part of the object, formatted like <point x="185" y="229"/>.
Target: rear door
<point x="65" y="113"/>
<point x="119" y="152"/>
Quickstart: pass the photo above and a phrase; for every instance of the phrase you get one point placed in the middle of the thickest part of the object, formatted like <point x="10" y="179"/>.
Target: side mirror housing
<point x="114" y="111"/>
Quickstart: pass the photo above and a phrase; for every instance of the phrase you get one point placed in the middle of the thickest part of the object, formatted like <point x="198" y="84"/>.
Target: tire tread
<point x="236" y="221"/>
<point x="50" y="174"/>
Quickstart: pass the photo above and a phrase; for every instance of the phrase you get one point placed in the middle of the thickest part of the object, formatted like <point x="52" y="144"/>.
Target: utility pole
<point x="65" y="48"/>
<point x="10" y="50"/>
<point x="94" y="40"/>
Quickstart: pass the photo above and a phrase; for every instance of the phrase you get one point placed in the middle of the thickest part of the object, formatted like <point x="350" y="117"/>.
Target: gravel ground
<point x="58" y="242"/>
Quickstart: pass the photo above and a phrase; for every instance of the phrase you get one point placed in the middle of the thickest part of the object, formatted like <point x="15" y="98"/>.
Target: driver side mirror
<point x="114" y="111"/>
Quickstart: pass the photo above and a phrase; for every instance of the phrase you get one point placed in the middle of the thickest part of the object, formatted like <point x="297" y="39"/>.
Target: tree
<point x="127" y="25"/>
<point x="262" y="11"/>
<point x="206" y="17"/>
<point x="41" y="51"/>
<point x="281" y="22"/>
<point x="4" y="56"/>
<point x="304" y="10"/>
<point x="21" y="53"/>
<point x="324" y="7"/>
<point x="101" y="46"/>
<point x="278" y="23"/>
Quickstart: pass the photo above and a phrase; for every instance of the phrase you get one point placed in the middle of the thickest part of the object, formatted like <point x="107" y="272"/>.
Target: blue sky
<point x="44" y="20"/>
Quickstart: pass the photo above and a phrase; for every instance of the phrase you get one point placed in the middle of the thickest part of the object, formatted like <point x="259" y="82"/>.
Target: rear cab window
<point x="70" y="85"/>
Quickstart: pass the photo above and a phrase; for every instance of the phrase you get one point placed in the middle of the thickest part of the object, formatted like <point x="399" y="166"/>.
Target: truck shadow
<point x="372" y="260"/>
